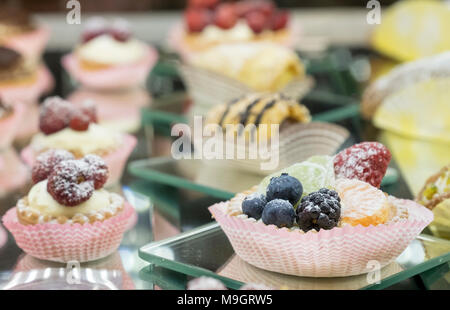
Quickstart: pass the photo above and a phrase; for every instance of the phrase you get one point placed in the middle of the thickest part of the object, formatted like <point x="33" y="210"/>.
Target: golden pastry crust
<point x="29" y="216"/>
<point x="258" y="109"/>
<point x="436" y="198"/>
<point x="92" y="66"/>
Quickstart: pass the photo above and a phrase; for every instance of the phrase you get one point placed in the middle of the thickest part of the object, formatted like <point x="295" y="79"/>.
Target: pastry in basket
<point x="18" y="31"/>
<point x="413" y="29"/>
<point x="411" y="99"/>
<point x="323" y="217"/>
<point x="74" y="128"/>
<point x="109" y="57"/>
<point x="259" y="109"/>
<point x="22" y="78"/>
<point x="67" y="214"/>
<point x="208" y="23"/>
<point x="259" y="66"/>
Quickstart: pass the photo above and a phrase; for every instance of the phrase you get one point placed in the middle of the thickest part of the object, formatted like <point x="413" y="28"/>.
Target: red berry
<point x="88" y="35"/>
<point x="120" y="30"/>
<point x="256" y="21"/>
<point x="265" y="7"/>
<point x="365" y="161"/>
<point x="225" y="16"/>
<point x="55" y="115"/>
<point x="68" y="184"/>
<point x="204" y="4"/>
<point x="88" y="108"/>
<point x="197" y="19"/>
<point x="245" y="7"/>
<point x="79" y="121"/>
<point x="279" y="20"/>
<point x="98" y="170"/>
<point x="45" y="163"/>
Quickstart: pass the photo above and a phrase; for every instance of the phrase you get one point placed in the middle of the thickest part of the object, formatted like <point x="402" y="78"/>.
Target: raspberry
<point x="79" y="121"/>
<point x="225" y="16"/>
<point x="88" y="35"/>
<point x="319" y="210"/>
<point x="284" y="187"/>
<point x="97" y="171"/>
<point x="205" y="4"/>
<point x="88" y="108"/>
<point x="279" y="212"/>
<point x="45" y="163"/>
<point x="68" y="183"/>
<point x="256" y="21"/>
<point x="120" y="30"/>
<point x="55" y="115"/>
<point x="253" y="205"/>
<point x="279" y="20"/>
<point x="96" y="26"/>
<point x="365" y="161"/>
<point x="197" y="19"/>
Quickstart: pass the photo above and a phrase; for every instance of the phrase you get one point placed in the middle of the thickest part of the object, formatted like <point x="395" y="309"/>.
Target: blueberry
<point x="279" y="212"/>
<point x="253" y="205"/>
<point x="284" y="187"/>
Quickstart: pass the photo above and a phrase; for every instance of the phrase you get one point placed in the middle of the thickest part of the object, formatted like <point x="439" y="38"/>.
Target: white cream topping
<point x="95" y="139"/>
<point x="240" y="32"/>
<point x="41" y="201"/>
<point x="107" y="51"/>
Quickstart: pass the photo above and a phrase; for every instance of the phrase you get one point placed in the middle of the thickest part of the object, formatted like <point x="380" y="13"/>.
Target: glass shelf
<point x="206" y="251"/>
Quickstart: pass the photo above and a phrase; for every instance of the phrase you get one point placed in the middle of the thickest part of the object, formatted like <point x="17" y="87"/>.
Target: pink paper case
<point x="117" y="77"/>
<point x="66" y="242"/>
<point x="29" y="93"/>
<point x="339" y="252"/>
<point x="115" y="160"/>
<point x="10" y="125"/>
<point x="30" y="44"/>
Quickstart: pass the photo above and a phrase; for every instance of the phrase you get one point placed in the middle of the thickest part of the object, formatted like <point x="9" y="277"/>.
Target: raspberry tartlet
<point x="109" y="57"/>
<point x="67" y="215"/>
<point x="209" y="23"/>
<point x="311" y="219"/>
<point x="74" y="128"/>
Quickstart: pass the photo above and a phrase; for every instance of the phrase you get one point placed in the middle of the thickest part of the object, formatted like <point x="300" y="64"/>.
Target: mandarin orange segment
<point x="362" y="203"/>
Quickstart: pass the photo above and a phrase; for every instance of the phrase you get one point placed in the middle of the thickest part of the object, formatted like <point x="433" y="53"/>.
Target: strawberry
<point x="365" y="161"/>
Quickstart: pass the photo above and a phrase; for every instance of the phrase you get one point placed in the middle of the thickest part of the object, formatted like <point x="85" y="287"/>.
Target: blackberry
<point x="253" y="205"/>
<point x="319" y="210"/>
<point x="284" y="187"/>
<point x="279" y="212"/>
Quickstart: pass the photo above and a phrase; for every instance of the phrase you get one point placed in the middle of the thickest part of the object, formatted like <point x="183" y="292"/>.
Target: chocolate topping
<point x="9" y="58"/>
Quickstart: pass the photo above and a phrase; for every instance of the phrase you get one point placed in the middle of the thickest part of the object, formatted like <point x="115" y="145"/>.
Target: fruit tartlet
<point x="208" y="23"/>
<point x="74" y="128"/>
<point x="22" y="79"/>
<point x="324" y="217"/>
<point x="10" y="118"/>
<point x="109" y="57"/>
<point x="67" y="215"/>
<point x="18" y="31"/>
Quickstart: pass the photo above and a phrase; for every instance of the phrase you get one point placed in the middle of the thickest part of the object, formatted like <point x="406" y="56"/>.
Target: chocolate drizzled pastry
<point x="5" y="110"/>
<point x="15" y="68"/>
<point x="257" y="109"/>
<point x="14" y="20"/>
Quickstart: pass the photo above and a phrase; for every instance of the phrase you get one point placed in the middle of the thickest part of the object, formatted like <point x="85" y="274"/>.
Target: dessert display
<point x="118" y="110"/>
<point x="413" y="29"/>
<point x="109" y="57"/>
<point x="22" y="78"/>
<point x="411" y="99"/>
<point x="298" y="138"/>
<point x="10" y="118"/>
<point x="67" y="214"/>
<point x="209" y="23"/>
<point x="323" y="217"/>
<point x="435" y="195"/>
<point x="19" y="32"/>
<point x="75" y="129"/>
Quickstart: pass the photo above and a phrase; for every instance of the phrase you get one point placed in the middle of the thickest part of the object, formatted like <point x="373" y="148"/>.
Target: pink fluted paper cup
<point x="339" y="252"/>
<point x="29" y="93"/>
<point x="115" y="160"/>
<point x="66" y="242"/>
<point x="31" y="43"/>
<point x="10" y="125"/>
<point x="117" y="77"/>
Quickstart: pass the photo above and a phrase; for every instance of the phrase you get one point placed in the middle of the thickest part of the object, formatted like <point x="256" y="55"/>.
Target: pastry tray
<point x="206" y="251"/>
